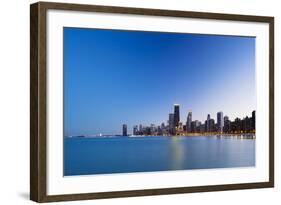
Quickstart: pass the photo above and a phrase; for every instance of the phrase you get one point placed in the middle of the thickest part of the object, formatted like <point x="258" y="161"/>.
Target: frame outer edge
<point x="34" y="41"/>
<point x="37" y="103"/>
<point x="154" y="12"/>
<point x="271" y="102"/>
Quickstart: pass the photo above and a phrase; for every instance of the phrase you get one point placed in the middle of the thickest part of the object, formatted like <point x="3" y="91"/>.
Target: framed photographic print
<point x="134" y="102"/>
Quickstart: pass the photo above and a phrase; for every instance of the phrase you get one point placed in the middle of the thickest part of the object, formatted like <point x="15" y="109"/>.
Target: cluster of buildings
<point x="175" y="127"/>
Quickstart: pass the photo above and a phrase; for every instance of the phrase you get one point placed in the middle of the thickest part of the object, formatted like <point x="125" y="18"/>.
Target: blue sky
<point x="112" y="77"/>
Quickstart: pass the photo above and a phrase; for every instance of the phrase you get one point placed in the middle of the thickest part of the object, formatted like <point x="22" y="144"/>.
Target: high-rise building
<point x="246" y="124"/>
<point x="188" y="121"/>
<point x="163" y="128"/>
<point x="171" y="123"/>
<point x="208" y="123"/>
<point x="220" y="121"/>
<point x="125" y="130"/>
<point x="236" y="126"/>
<point x="153" y="129"/>
<point x="202" y="128"/>
<point x="253" y="120"/>
<point x="171" y="120"/>
<point x="198" y="126"/>
<point x="180" y="127"/>
<point x="140" y="128"/>
<point x="176" y="115"/>
<point x="135" y="130"/>
<point x="211" y="125"/>
<point x="194" y="125"/>
<point x="226" y="124"/>
<point x="225" y="118"/>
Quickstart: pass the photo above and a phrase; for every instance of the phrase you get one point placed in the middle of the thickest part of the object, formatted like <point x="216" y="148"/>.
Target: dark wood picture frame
<point x="38" y="95"/>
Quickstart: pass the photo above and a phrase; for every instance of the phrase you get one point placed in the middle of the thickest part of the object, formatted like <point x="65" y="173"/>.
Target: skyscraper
<point x="163" y="128"/>
<point x="211" y="125"/>
<point x="171" y="123"/>
<point x="226" y="124"/>
<point x="225" y="118"/>
<point x="246" y="124"/>
<point x="194" y="125"/>
<point x="125" y="130"/>
<point x="171" y="120"/>
<point x="188" y="121"/>
<point x="153" y="128"/>
<point x="176" y="115"/>
<point x="180" y="127"/>
<point x="140" y="128"/>
<point x="253" y="120"/>
<point x="220" y="121"/>
<point x="208" y="123"/>
<point x="135" y="130"/>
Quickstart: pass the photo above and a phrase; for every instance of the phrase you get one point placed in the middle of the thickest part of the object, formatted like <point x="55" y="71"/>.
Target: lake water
<point x="84" y="156"/>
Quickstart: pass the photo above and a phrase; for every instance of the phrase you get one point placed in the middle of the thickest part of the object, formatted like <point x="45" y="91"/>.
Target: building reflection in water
<point x="177" y="153"/>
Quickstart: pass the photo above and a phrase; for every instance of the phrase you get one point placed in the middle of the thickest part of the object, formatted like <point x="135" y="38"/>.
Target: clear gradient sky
<point x="114" y="77"/>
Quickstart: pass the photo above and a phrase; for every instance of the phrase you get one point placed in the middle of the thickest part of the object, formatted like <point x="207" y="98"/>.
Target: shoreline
<point x="199" y="135"/>
<point x="249" y="135"/>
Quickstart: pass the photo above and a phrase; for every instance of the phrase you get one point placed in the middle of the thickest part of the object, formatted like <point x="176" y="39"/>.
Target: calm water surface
<point x="83" y="156"/>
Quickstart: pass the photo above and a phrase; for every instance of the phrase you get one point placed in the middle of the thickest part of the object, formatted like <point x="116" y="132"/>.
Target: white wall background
<point x="14" y="101"/>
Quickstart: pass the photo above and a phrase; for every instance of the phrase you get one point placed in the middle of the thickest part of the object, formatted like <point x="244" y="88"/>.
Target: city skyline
<point x="112" y="77"/>
<point x="188" y="125"/>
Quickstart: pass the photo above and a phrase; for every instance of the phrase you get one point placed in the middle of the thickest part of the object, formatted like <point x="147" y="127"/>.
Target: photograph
<point x="151" y="101"/>
<point x="131" y="101"/>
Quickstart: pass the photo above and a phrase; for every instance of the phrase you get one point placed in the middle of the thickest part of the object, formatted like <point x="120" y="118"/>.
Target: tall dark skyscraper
<point x="226" y="124"/>
<point x="171" y="120"/>
<point x="171" y="123"/>
<point x="125" y="130"/>
<point x="208" y="123"/>
<point x="188" y="121"/>
<point x="220" y="121"/>
<point x="253" y="123"/>
<point x="176" y="114"/>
